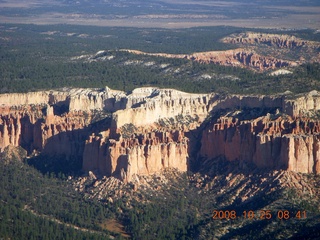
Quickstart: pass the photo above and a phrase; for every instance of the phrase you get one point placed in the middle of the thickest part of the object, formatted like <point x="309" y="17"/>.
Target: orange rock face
<point x="238" y="57"/>
<point x="141" y="154"/>
<point x="164" y="129"/>
<point x="34" y="130"/>
<point x="291" y="144"/>
<point x="280" y="41"/>
<point x="241" y="58"/>
<point x="17" y="127"/>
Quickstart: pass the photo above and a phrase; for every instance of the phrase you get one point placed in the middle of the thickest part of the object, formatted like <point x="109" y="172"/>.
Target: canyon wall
<point x="280" y="143"/>
<point x="158" y="103"/>
<point x="164" y="104"/>
<point x="293" y="105"/>
<point x="10" y="99"/>
<point x="141" y="154"/>
<point x="280" y="46"/>
<point x="73" y="123"/>
<point x="38" y="129"/>
<point x="170" y="103"/>
<point x="302" y="104"/>
<point x="240" y="57"/>
<point x="280" y="41"/>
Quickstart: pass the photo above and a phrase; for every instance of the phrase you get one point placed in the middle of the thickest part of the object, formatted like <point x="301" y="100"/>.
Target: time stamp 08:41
<point x="259" y="214"/>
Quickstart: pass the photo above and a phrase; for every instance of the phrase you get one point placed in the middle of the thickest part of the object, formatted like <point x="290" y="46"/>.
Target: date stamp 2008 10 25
<point x="259" y="214"/>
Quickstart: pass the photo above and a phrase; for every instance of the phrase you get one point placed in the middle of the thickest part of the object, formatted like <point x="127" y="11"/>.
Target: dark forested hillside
<point x="36" y="206"/>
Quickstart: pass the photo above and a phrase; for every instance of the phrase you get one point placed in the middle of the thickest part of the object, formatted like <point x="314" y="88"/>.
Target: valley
<point x="121" y="133"/>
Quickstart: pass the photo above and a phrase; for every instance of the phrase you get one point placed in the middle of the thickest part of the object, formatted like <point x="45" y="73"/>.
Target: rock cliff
<point x="281" y="46"/>
<point x="165" y="103"/>
<point x="280" y="41"/>
<point x="39" y="129"/>
<point x="141" y="154"/>
<point x="240" y="57"/>
<point x="286" y="143"/>
<point x="147" y="130"/>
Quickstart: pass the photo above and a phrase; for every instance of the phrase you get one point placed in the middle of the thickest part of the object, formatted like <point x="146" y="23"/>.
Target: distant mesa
<point x="255" y="51"/>
<point x="240" y="57"/>
<point x="277" y="40"/>
<point x="282" y="45"/>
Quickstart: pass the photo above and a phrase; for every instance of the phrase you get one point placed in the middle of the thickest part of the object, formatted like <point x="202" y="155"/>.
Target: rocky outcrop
<point x="280" y="41"/>
<point x="279" y="46"/>
<point x="237" y="58"/>
<point x="17" y="127"/>
<point x="39" y="129"/>
<point x="168" y="103"/>
<point x="153" y="129"/>
<point x="279" y="143"/>
<point x="64" y="135"/>
<point x="165" y="103"/>
<point x="241" y="58"/>
<point x="142" y="154"/>
<point x="300" y="105"/>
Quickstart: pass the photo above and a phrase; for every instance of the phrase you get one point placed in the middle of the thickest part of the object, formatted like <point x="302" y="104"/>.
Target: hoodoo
<point x="149" y="129"/>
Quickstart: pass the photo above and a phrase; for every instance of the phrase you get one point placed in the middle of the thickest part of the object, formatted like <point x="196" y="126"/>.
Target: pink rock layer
<point x="281" y="143"/>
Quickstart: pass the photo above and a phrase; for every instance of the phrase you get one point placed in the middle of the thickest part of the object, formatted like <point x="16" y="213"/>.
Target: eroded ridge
<point x="148" y="130"/>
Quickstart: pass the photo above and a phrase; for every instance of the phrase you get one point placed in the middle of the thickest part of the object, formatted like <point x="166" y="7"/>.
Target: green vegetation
<point x="36" y="206"/>
<point x="128" y="130"/>
<point x="57" y="165"/>
<point x="183" y="211"/>
<point x="40" y="57"/>
<point x="21" y="224"/>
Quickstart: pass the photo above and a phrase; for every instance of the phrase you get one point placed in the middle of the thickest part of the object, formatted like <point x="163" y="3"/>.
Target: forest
<point x="36" y="58"/>
<point x="45" y="206"/>
<point x="36" y="206"/>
